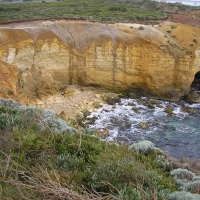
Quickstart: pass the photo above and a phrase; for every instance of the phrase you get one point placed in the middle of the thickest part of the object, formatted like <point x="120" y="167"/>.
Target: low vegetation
<point x="40" y="163"/>
<point x="108" y="11"/>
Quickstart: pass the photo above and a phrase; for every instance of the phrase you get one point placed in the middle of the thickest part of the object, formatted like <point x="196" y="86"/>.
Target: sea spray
<point x="175" y="131"/>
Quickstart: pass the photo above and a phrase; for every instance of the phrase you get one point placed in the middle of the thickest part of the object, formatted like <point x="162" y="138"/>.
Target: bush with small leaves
<point x="182" y="195"/>
<point x="193" y="187"/>
<point x="50" y="119"/>
<point x="182" y="176"/>
<point x="144" y="146"/>
<point x="67" y="162"/>
<point x="14" y="114"/>
<point x="186" y="180"/>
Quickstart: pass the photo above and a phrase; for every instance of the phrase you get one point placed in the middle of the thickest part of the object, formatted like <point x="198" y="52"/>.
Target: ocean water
<point x="178" y="133"/>
<point x="189" y="3"/>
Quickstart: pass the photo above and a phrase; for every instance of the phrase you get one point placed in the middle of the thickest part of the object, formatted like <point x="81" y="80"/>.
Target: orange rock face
<point x="51" y="55"/>
<point x="8" y="80"/>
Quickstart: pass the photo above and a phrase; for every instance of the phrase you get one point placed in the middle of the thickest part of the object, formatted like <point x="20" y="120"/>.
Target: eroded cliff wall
<point x="51" y="55"/>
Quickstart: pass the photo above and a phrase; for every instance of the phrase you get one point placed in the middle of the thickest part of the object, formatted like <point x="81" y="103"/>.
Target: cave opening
<point x="196" y="83"/>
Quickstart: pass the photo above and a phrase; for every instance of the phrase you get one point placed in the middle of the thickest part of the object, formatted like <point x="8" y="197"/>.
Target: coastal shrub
<point x="15" y="115"/>
<point x="117" y="8"/>
<point x="162" y="162"/>
<point x="144" y="146"/>
<point x="120" y="172"/>
<point x="193" y="186"/>
<point x="12" y="9"/>
<point x="182" y="174"/>
<point x="182" y="195"/>
<point x="49" y="119"/>
<point x="10" y="118"/>
<point x="67" y="162"/>
<point x="111" y="10"/>
<point x="80" y="159"/>
<point x="186" y="180"/>
<point x="196" y="178"/>
<point x="89" y="132"/>
<point x="43" y="163"/>
<point x="80" y="119"/>
<point x="86" y="112"/>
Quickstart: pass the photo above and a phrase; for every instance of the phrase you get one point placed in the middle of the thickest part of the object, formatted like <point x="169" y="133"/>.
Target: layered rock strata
<point x="44" y="57"/>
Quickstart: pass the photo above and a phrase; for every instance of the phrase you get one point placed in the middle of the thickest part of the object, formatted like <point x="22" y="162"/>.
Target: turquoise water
<point x="177" y="134"/>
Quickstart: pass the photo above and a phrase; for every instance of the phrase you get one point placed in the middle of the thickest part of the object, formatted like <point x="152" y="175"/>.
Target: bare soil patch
<point x="185" y="19"/>
<point x="77" y="99"/>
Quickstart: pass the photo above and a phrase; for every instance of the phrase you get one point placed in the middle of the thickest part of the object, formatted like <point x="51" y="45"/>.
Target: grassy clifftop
<point x="102" y="11"/>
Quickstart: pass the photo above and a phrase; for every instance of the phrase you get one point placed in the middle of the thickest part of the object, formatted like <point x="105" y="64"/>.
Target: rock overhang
<point x="120" y="57"/>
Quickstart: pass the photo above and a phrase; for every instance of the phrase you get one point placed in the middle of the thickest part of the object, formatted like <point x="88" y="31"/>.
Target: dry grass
<point x="40" y="183"/>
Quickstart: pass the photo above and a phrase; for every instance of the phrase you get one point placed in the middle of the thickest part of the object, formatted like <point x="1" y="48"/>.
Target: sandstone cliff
<point x="51" y="55"/>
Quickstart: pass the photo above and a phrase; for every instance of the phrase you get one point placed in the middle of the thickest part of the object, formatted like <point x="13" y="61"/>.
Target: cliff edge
<point x="43" y="57"/>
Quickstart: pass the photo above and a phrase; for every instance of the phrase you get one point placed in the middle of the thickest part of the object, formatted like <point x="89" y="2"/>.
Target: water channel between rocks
<point x="177" y="133"/>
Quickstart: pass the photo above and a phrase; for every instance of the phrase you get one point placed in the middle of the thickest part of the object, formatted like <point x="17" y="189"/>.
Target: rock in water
<point x="193" y="97"/>
<point x="111" y="99"/>
<point x="143" y="125"/>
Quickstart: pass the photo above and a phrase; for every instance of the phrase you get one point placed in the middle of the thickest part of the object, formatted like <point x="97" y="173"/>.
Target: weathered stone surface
<point x="112" y="98"/>
<point x="8" y="80"/>
<point x="102" y="133"/>
<point x="115" y="57"/>
<point x="193" y="97"/>
<point x="144" y="125"/>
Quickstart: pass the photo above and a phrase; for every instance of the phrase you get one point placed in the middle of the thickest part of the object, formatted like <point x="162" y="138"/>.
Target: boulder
<point x="102" y="133"/>
<point x="112" y="99"/>
<point x="144" y="125"/>
<point x="193" y="97"/>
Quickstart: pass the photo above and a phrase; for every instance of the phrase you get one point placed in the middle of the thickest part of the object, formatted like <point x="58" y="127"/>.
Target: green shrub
<point x="10" y="118"/>
<point x="12" y="9"/>
<point x="10" y="92"/>
<point x="96" y="104"/>
<point x="195" y="41"/>
<point x="84" y="160"/>
<point x="116" y="8"/>
<point x="67" y="162"/>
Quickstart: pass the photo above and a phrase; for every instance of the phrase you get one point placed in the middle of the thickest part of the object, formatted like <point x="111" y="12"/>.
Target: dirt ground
<point x="77" y="99"/>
